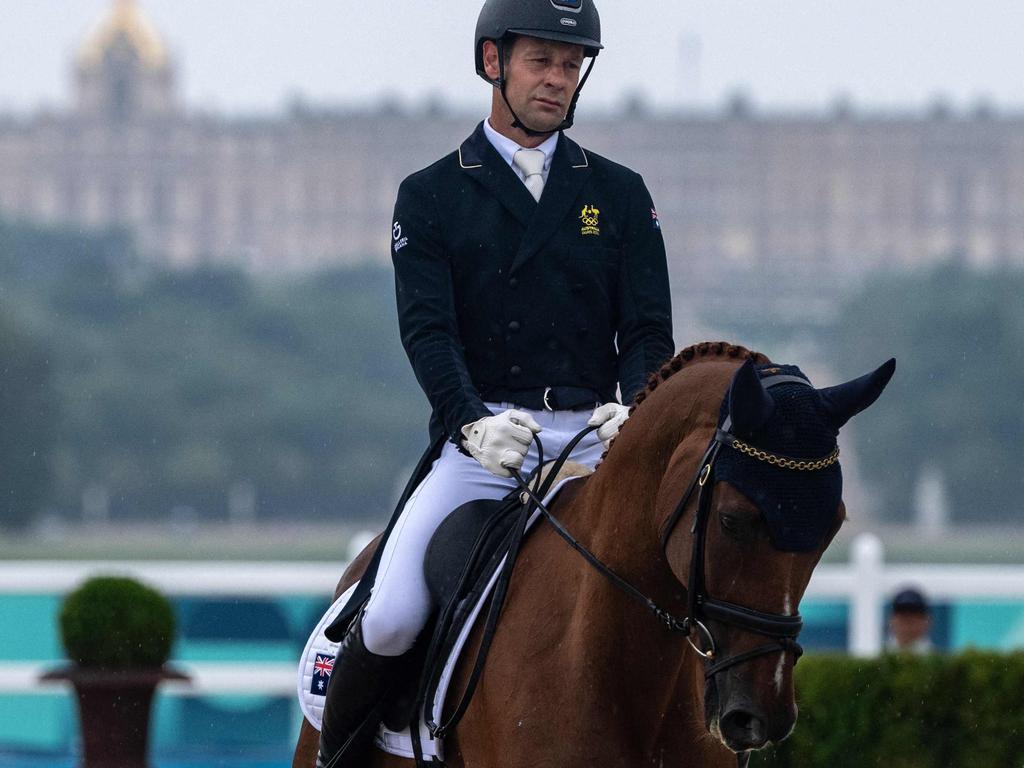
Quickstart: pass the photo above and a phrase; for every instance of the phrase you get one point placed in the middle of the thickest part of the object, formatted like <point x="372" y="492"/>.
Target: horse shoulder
<point x="525" y="650"/>
<point x="357" y="567"/>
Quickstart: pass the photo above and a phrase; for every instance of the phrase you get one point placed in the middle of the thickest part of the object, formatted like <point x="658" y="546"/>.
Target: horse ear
<point x="844" y="401"/>
<point x="750" y="405"/>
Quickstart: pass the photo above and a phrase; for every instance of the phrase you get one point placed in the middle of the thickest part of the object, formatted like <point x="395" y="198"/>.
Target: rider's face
<point x="541" y="78"/>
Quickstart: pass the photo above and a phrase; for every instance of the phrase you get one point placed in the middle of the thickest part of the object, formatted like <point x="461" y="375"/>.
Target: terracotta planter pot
<point x="113" y="709"/>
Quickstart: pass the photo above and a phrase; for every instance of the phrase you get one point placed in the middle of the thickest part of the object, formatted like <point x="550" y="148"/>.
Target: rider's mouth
<point x="549" y="103"/>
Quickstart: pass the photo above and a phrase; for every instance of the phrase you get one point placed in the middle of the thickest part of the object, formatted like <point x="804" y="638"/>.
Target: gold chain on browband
<point x="784" y="461"/>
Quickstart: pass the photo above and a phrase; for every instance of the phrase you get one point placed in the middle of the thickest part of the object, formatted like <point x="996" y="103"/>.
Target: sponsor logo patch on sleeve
<point x="396" y="234"/>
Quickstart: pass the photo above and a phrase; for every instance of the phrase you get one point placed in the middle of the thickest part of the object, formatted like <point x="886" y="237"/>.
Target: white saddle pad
<point x="317" y="663"/>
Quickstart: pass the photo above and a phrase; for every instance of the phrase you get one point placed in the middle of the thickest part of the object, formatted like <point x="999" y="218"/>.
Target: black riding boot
<point x="359" y="684"/>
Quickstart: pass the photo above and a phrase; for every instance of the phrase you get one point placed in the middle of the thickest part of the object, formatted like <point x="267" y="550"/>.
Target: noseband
<point x="781" y="629"/>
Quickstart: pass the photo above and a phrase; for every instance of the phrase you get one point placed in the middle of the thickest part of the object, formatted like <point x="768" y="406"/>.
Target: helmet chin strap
<point x="570" y="116"/>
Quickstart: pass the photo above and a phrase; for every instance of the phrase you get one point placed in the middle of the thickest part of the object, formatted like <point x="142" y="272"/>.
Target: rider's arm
<point x="645" y="304"/>
<point x="426" y="310"/>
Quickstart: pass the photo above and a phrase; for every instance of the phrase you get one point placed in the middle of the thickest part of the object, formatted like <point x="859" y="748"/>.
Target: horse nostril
<point x="742" y="730"/>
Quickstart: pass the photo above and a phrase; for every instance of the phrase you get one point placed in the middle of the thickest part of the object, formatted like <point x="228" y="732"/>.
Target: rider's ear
<point x="844" y="401"/>
<point x="750" y="406"/>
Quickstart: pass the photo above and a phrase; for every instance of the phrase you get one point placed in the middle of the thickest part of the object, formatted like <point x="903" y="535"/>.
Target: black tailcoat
<point x="501" y="297"/>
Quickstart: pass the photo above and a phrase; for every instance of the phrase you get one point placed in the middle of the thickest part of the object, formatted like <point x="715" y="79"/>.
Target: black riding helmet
<point x="565" y="21"/>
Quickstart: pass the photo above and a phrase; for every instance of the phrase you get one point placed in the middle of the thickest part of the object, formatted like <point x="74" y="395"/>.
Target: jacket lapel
<point x="479" y="159"/>
<point x="570" y="169"/>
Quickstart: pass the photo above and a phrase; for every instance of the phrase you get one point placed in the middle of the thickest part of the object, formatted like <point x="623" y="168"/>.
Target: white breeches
<point x="400" y="604"/>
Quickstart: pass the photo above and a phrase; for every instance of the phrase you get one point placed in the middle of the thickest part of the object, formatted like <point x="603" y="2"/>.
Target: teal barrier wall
<point x="263" y="728"/>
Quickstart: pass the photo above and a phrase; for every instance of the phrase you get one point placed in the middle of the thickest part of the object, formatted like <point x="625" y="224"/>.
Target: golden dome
<point x="125" y="20"/>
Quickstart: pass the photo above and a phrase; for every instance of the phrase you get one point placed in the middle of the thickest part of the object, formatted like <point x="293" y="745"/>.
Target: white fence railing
<point x="209" y="579"/>
<point x="186" y="577"/>
<point x="865" y="583"/>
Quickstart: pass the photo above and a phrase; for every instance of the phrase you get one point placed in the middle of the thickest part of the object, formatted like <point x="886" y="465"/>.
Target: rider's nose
<point x="556" y="78"/>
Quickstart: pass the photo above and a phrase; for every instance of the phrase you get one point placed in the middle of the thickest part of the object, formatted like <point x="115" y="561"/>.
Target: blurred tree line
<point x="130" y="391"/>
<point x="203" y="391"/>
<point x="953" y="415"/>
<point x="956" y="404"/>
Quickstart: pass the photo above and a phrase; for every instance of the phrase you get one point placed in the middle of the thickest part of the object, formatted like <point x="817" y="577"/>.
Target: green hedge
<point x="962" y="711"/>
<point x="112" y="622"/>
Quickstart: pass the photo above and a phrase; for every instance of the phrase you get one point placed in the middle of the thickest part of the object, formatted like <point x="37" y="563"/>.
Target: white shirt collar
<point x="508" y="148"/>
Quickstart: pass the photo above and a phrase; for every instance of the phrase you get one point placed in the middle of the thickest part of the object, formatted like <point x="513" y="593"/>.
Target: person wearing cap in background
<point x="910" y="623"/>
<point x="532" y="284"/>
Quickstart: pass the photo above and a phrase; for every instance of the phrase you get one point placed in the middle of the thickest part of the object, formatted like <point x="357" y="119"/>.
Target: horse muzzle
<point x="740" y="722"/>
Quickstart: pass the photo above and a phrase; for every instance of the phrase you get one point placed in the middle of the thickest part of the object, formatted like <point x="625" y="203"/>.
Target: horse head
<point x="764" y="502"/>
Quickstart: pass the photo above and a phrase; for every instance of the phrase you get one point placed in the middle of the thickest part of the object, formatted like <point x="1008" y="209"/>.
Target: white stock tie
<point x="531" y="163"/>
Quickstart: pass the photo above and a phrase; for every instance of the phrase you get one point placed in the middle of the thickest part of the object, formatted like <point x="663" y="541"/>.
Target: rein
<point x="781" y="629"/>
<point x="664" y="616"/>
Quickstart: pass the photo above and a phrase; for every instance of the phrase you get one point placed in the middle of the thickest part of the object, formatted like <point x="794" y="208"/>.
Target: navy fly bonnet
<point x="778" y="446"/>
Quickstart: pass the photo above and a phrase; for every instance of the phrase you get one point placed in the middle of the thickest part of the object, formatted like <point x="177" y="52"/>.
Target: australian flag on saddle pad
<point x="322" y="668"/>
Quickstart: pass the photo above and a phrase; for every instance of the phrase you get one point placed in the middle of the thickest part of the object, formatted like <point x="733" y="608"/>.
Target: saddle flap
<point x="466" y="540"/>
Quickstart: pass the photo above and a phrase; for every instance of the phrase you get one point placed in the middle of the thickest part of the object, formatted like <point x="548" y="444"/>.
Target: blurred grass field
<point x="338" y="543"/>
<point x="305" y="542"/>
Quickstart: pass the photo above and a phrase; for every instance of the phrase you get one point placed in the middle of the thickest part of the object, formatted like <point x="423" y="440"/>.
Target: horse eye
<point x="731" y="523"/>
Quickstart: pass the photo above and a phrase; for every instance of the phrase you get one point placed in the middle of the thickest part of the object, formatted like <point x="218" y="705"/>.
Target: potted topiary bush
<point x="118" y="635"/>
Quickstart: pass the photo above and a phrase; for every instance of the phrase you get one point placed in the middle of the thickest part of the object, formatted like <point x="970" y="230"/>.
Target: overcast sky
<point x="253" y="55"/>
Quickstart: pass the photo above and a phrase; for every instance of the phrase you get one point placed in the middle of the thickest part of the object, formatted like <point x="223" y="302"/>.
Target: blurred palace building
<point x="800" y="201"/>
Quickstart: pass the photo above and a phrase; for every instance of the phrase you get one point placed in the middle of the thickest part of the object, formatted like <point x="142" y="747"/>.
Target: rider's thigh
<point x="399" y="603"/>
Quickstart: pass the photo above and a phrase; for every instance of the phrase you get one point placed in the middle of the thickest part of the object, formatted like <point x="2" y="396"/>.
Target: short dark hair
<point x="910" y="600"/>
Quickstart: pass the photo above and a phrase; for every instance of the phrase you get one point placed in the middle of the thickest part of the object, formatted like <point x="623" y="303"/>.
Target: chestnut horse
<point x="580" y="673"/>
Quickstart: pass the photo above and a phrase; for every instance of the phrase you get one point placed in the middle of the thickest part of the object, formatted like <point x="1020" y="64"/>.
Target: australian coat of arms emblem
<point x="591" y="220"/>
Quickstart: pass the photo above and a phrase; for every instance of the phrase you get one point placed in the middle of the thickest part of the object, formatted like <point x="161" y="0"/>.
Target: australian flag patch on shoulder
<point x="322" y="668"/>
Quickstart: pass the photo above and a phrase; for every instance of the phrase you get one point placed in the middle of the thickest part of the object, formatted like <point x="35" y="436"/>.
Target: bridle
<point x="781" y="629"/>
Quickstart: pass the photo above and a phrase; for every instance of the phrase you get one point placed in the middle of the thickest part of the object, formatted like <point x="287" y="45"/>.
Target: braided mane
<point x="697" y="353"/>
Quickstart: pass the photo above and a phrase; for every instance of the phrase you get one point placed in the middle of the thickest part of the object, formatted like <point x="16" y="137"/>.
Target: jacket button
<point x="514" y="326"/>
<point x="513" y="282"/>
<point x="515" y="370"/>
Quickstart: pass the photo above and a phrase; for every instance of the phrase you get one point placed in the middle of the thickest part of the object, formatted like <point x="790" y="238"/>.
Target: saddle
<point x="461" y="566"/>
<point x="471" y="536"/>
<point x="467" y="567"/>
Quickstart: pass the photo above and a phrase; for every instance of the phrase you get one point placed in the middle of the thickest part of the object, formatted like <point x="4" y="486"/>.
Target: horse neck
<point x="682" y="411"/>
<point x="619" y="517"/>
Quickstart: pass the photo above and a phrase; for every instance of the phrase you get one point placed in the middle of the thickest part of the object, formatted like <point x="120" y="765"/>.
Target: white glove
<point x="609" y="417"/>
<point x="500" y="442"/>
